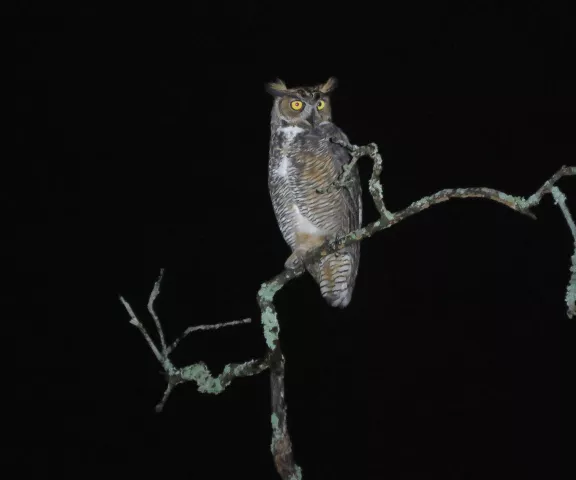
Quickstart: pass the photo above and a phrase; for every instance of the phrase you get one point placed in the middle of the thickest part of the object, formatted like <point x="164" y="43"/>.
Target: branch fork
<point x="197" y="372"/>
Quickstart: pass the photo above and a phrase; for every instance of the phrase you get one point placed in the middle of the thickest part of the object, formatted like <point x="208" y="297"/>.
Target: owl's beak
<point x="313" y="120"/>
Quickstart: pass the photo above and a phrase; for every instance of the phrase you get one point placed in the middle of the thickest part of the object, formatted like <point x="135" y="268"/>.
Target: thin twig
<point x="153" y="295"/>
<point x="198" y="373"/>
<point x="570" y="297"/>
<point x="560" y="200"/>
<point x="160" y="405"/>
<point x="375" y="186"/>
<point x="189" y="330"/>
<point x="563" y="171"/>
<point x="134" y="321"/>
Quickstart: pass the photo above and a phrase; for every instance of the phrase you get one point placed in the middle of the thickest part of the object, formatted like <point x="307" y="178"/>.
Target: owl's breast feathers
<point x="301" y="163"/>
<point x="316" y="166"/>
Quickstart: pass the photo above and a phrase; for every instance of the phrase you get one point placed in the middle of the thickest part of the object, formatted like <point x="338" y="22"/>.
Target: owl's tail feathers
<point x="336" y="276"/>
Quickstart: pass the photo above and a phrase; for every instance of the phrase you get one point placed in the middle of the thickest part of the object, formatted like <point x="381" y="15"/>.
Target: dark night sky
<point x="141" y="142"/>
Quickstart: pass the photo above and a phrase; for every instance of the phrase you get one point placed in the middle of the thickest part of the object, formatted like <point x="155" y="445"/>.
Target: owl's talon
<point x="346" y="183"/>
<point x="335" y="239"/>
<point x="293" y="261"/>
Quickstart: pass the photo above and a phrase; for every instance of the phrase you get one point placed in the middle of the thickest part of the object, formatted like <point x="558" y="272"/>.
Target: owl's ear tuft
<point x="277" y="87"/>
<point x="329" y="86"/>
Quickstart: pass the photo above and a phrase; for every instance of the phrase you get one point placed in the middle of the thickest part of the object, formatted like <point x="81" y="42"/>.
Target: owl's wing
<point x="353" y="194"/>
<point x="341" y="155"/>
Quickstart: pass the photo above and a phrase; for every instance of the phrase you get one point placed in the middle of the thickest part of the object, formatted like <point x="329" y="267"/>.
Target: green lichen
<point x="196" y="372"/>
<point x="270" y="322"/>
<point x="522" y="203"/>
<point x="375" y="185"/>
<point x="214" y="386"/>
<point x="510" y="198"/>
<point x="297" y="475"/>
<point x="167" y="364"/>
<point x="267" y="291"/>
<point x="571" y="301"/>
<point x="559" y="197"/>
<point x="570" y="297"/>
<point x="274" y="420"/>
<point x="200" y="374"/>
<point x="422" y="203"/>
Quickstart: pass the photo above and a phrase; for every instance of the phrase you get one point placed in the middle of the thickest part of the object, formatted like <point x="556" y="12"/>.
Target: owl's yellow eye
<point x="296" y="105"/>
<point x="321" y="104"/>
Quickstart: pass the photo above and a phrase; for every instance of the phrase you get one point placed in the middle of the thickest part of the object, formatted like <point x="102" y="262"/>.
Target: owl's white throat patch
<point x="291" y="132"/>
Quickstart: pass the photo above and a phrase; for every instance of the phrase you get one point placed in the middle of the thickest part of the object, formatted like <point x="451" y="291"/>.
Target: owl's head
<point x="305" y="107"/>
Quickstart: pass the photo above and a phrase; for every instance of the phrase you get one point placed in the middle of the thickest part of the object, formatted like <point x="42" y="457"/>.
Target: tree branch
<point x="570" y="298"/>
<point x="281" y="445"/>
<point x="197" y="372"/>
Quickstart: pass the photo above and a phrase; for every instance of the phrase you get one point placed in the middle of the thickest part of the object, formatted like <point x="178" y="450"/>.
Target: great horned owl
<point x="302" y="160"/>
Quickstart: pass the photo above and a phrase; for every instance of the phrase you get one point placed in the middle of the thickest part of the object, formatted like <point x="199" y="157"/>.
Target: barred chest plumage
<point x="301" y="163"/>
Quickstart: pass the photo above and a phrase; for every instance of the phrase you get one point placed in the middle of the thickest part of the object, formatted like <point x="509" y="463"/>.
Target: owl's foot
<point x="347" y="184"/>
<point x="294" y="261"/>
<point x="335" y="239"/>
<point x="345" y="179"/>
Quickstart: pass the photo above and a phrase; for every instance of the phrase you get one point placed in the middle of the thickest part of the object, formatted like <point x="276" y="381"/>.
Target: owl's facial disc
<point x="305" y="108"/>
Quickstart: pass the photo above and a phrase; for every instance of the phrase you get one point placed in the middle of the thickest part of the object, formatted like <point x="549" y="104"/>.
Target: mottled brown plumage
<point x="303" y="160"/>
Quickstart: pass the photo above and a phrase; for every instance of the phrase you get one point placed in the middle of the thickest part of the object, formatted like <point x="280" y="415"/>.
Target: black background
<point x="137" y="140"/>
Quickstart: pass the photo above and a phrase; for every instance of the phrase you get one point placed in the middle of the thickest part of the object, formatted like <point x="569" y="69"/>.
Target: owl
<point x="302" y="160"/>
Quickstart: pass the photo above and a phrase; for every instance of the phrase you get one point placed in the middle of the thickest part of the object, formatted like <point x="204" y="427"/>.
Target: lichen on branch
<point x="198" y="372"/>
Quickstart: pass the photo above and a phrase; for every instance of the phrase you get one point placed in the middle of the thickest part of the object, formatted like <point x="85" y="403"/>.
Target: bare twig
<point x="189" y="330"/>
<point x="134" y="321"/>
<point x="563" y="171"/>
<point x="160" y="405"/>
<point x="374" y="185"/>
<point x="153" y="295"/>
